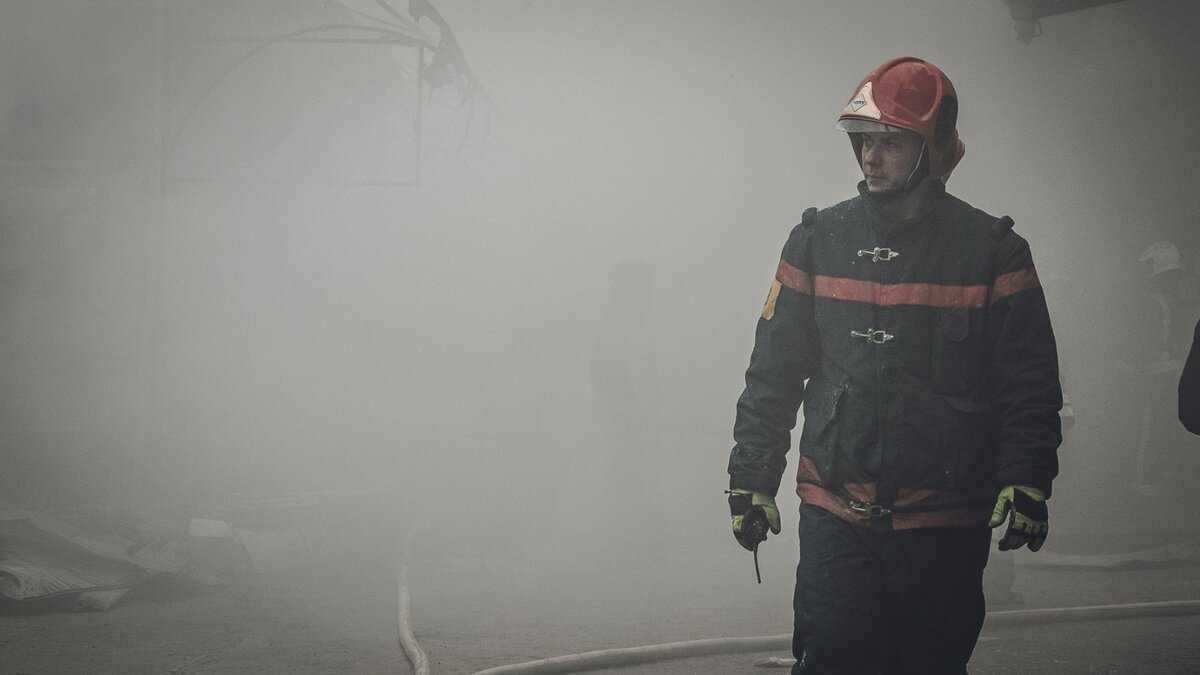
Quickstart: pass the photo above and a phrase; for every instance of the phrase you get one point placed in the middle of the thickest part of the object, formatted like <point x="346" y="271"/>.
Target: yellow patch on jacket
<point x="769" y="305"/>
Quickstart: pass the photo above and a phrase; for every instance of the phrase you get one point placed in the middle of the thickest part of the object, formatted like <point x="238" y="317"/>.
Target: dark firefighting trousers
<point x="886" y="602"/>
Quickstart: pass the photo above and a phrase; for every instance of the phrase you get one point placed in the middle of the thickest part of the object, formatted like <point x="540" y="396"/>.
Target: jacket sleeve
<point x="1189" y="386"/>
<point x="1025" y="371"/>
<point x="785" y="353"/>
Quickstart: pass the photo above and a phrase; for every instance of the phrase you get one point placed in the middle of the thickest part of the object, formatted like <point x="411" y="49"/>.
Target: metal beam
<point x="1026" y="14"/>
<point x="1045" y="8"/>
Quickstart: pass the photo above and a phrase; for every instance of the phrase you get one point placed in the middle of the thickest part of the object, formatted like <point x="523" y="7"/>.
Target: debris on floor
<point x="48" y="563"/>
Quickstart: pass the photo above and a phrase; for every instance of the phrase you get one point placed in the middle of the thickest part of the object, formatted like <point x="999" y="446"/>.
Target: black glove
<point x="753" y="513"/>
<point x="1028" y="518"/>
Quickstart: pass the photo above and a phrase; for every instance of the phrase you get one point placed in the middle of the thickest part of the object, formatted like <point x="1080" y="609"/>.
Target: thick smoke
<point x="234" y="271"/>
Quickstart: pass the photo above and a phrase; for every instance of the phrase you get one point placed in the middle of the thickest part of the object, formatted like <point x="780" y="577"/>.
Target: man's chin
<point x="884" y="194"/>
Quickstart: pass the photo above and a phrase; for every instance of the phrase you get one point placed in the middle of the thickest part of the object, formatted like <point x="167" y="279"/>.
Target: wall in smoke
<point x="212" y="230"/>
<point x="226" y="268"/>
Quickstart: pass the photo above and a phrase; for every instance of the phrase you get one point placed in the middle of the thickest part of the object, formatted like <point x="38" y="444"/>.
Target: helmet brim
<point x="856" y="126"/>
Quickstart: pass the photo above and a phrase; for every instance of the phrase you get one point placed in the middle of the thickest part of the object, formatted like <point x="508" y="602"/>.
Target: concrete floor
<point x="472" y="612"/>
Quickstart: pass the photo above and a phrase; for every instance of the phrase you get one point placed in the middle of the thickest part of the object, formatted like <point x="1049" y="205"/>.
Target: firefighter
<point x="1163" y="471"/>
<point x="914" y="330"/>
<point x="1188" y="390"/>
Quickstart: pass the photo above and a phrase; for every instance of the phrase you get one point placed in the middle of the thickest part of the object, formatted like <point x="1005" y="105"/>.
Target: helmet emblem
<point x="863" y="104"/>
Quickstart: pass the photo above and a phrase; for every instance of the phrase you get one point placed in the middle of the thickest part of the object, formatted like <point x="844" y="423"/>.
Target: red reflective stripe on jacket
<point x="794" y="278"/>
<point x="815" y="495"/>
<point x="945" y="517"/>
<point x="913" y="507"/>
<point x="933" y="295"/>
<point x="890" y="295"/>
<point x="942" y="516"/>
<point x="1015" y="282"/>
<point x="854" y="290"/>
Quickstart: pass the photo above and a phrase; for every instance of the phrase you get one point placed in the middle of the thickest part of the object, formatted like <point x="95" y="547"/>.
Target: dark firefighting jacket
<point x="1189" y="386"/>
<point x="924" y="357"/>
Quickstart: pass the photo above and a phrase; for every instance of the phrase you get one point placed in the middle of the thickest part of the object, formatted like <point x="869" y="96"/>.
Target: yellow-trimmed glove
<point x="1028" y="520"/>
<point x="753" y="513"/>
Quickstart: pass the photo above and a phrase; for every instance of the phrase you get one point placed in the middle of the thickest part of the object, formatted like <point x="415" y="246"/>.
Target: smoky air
<point x="324" y="322"/>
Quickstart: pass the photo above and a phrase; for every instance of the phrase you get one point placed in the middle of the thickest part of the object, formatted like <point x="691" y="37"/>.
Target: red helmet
<point x="909" y="94"/>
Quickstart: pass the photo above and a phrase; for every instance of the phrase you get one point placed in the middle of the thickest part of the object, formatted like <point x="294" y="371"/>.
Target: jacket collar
<point x="889" y="227"/>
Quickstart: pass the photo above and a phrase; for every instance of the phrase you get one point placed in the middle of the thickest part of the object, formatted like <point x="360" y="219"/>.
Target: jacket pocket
<point x="818" y="440"/>
<point x="971" y="440"/>
<point x="943" y="442"/>
<point x="954" y="348"/>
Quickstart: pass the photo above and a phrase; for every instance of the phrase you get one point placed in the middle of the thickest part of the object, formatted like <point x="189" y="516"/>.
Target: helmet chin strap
<point x="908" y="182"/>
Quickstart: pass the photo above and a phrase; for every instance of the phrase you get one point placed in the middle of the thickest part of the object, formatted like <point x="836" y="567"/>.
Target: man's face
<point x="888" y="159"/>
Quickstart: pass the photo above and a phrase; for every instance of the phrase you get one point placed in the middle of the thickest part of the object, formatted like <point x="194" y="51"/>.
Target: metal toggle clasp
<point x="873" y="336"/>
<point x="869" y="509"/>
<point x="877" y="254"/>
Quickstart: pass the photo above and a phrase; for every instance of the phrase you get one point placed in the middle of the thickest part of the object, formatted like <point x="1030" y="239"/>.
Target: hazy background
<point x="227" y="273"/>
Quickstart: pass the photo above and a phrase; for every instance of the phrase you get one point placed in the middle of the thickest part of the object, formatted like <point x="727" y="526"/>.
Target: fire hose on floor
<point x="408" y="642"/>
<point x="615" y="658"/>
